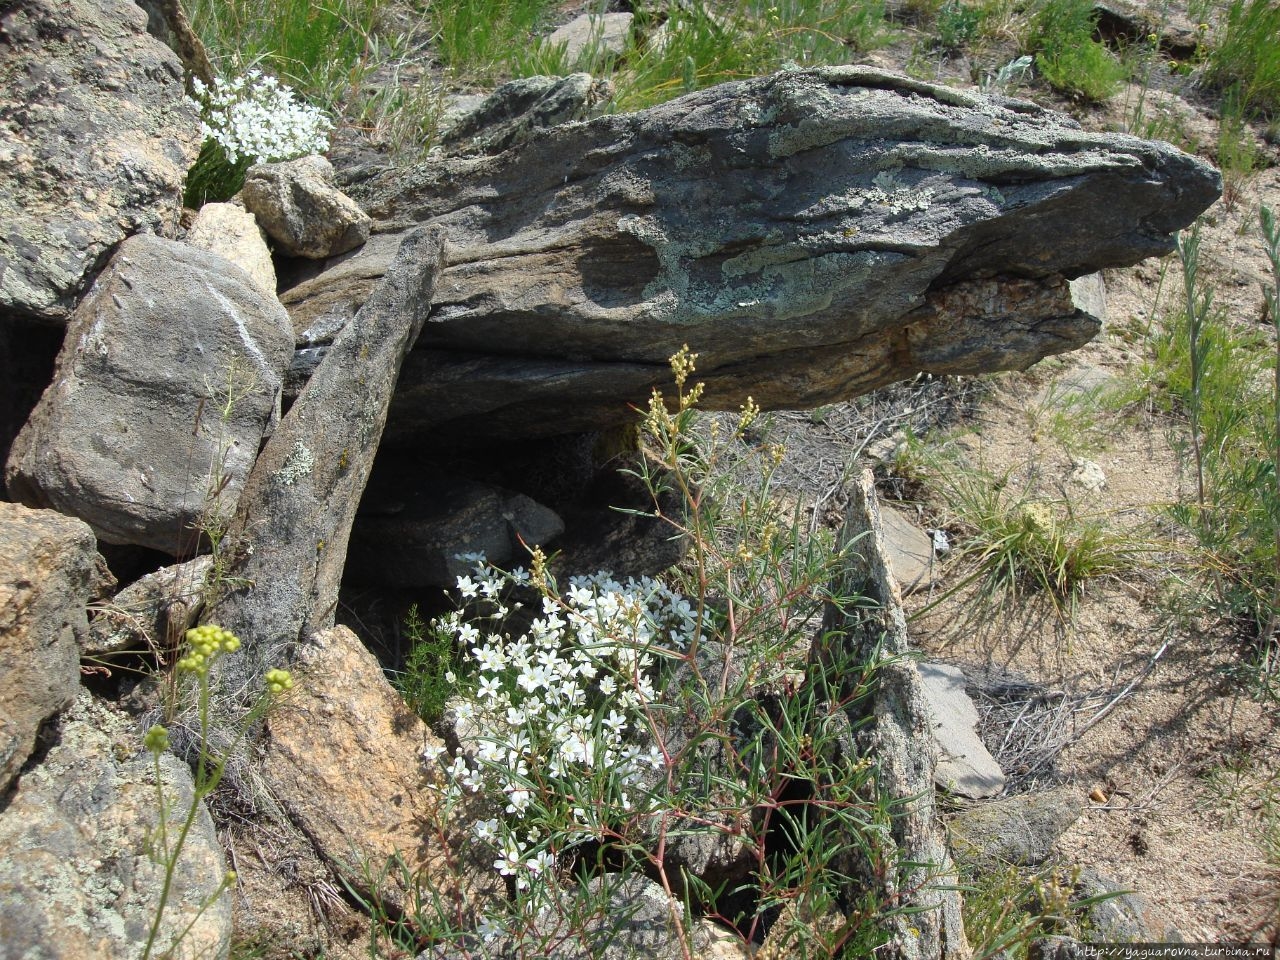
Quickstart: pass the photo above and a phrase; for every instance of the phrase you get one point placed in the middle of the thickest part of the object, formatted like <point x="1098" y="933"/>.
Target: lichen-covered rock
<point x="514" y="112"/>
<point x="136" y="435"/>
<point x="49" y="572"/>
<point x="812" y="235"/>
<point x="76" y="879"/>
<point x="1020" y="830"/>
<point x="96" y="137"/>
<point x="232" y="232"/>
<point x="302" y="211"/>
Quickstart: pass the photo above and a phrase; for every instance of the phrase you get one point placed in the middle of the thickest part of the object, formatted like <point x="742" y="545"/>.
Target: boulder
<point x="413" y="525"/>
<point x="812" y="235"/>
<point x="593" y="35"/>
<point x="342" y="752"/>
<point x="1019" y="830"/>
<point x="965" y="766"/>
<point x="231" y="232"/>
<point x="49" y="572"/>
<point x="301" y="210"/>
<point x="150" y="615"/>
<point x="167" y="380"/>
<point x="95" y="144"/>
<point x="76" y="880"/>
<point x="517" y="110"/>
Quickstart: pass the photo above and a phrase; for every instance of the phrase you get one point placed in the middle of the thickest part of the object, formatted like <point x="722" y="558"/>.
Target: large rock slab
<point x="76" y="881"/>
<point x="812" y="235"/>
<point x="294" y="520"/>
<point x="96" y="136"/>
<point x="131" y="436"/>
<point x="49" y="572"/>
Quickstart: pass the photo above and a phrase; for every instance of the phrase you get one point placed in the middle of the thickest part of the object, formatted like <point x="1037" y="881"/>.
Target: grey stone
<point x="95" y="142"/>
<point x="1087" y="475"/>
<point x="965" y="766"/>
<point x="910" y="551"/>
<point x="131" y="436"/>
<point x="293" y="521"/>
<point x="151" y="614"/>
<point x="1121" y="916"/>
<point x="592" y="35"/>
<point x="49" y="572"/>
<point x="517" y="110"/>
<point x="813" y="235"/>
<point x="76" y="880"/>
<point x="413" y="524"/>
<point x="1020" y="830"/>
<point x="893" y="725"/>
<point x="298" y="206"/>
<point x="232" y="232"/>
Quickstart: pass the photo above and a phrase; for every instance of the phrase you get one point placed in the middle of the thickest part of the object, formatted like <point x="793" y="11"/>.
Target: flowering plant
<point x="257" y="117"/>
<point x="249" y="119"/>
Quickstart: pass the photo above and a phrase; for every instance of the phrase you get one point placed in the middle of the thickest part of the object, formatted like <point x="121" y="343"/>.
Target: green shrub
<point x="1244" y="57"/>
<point x="1060" y="34"/>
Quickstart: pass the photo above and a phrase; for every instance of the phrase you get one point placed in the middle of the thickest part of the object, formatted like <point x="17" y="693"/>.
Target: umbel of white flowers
<point x="257" y="117"/>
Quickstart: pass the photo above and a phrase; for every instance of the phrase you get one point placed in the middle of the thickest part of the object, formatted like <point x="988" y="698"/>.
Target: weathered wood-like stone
<point x="812" y="235"/>
<point x="894" y="726"/>
<point x="294" y="518"/>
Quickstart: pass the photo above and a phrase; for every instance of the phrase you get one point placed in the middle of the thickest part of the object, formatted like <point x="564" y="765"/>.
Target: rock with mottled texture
<point x="302" y="211"/>
<point x="232" y="232"/>
<point x="135" y="435"/>
<point x="76" y="880"/>
<point x="812" y="235"/>
<point x="893" y="725"/>
<point x="1019" y="830"/>
<point x="95" y="141"/>
<point x="517" y="110"/>
<point x="49" y="572"/>
<point x="151" y="614"/>
<point x="591" y="34"/>
<point x="343" y="754"/>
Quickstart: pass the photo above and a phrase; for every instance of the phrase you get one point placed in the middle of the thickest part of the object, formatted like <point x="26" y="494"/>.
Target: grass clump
<point x="1243" y="61"/>
<point x="1060" y="35"/>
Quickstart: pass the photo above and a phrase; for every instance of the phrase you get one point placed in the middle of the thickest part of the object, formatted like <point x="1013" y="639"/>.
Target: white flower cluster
<point x="257" y="117"/>
<point x="563" y="707"/>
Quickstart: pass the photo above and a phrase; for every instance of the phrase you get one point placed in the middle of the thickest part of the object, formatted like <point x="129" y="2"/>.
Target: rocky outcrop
<point x="591" y="35"/>
<point x="812" y="235"/>
<point x="49" y="572"/>
<point x="96" y="137"/>
<point x="893" y="725"/>
<point x="300" y="209"/>
<point x="168" y="378"/>
<point x="517" y="110"/>
<point x="76" y="880"/>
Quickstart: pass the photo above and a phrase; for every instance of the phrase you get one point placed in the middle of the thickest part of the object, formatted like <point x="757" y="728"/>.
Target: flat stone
<point x="593" y="35"/>
<point x="232" y="232"/>
<point x="965" y="766"/>
<point x="910" y="551"/>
